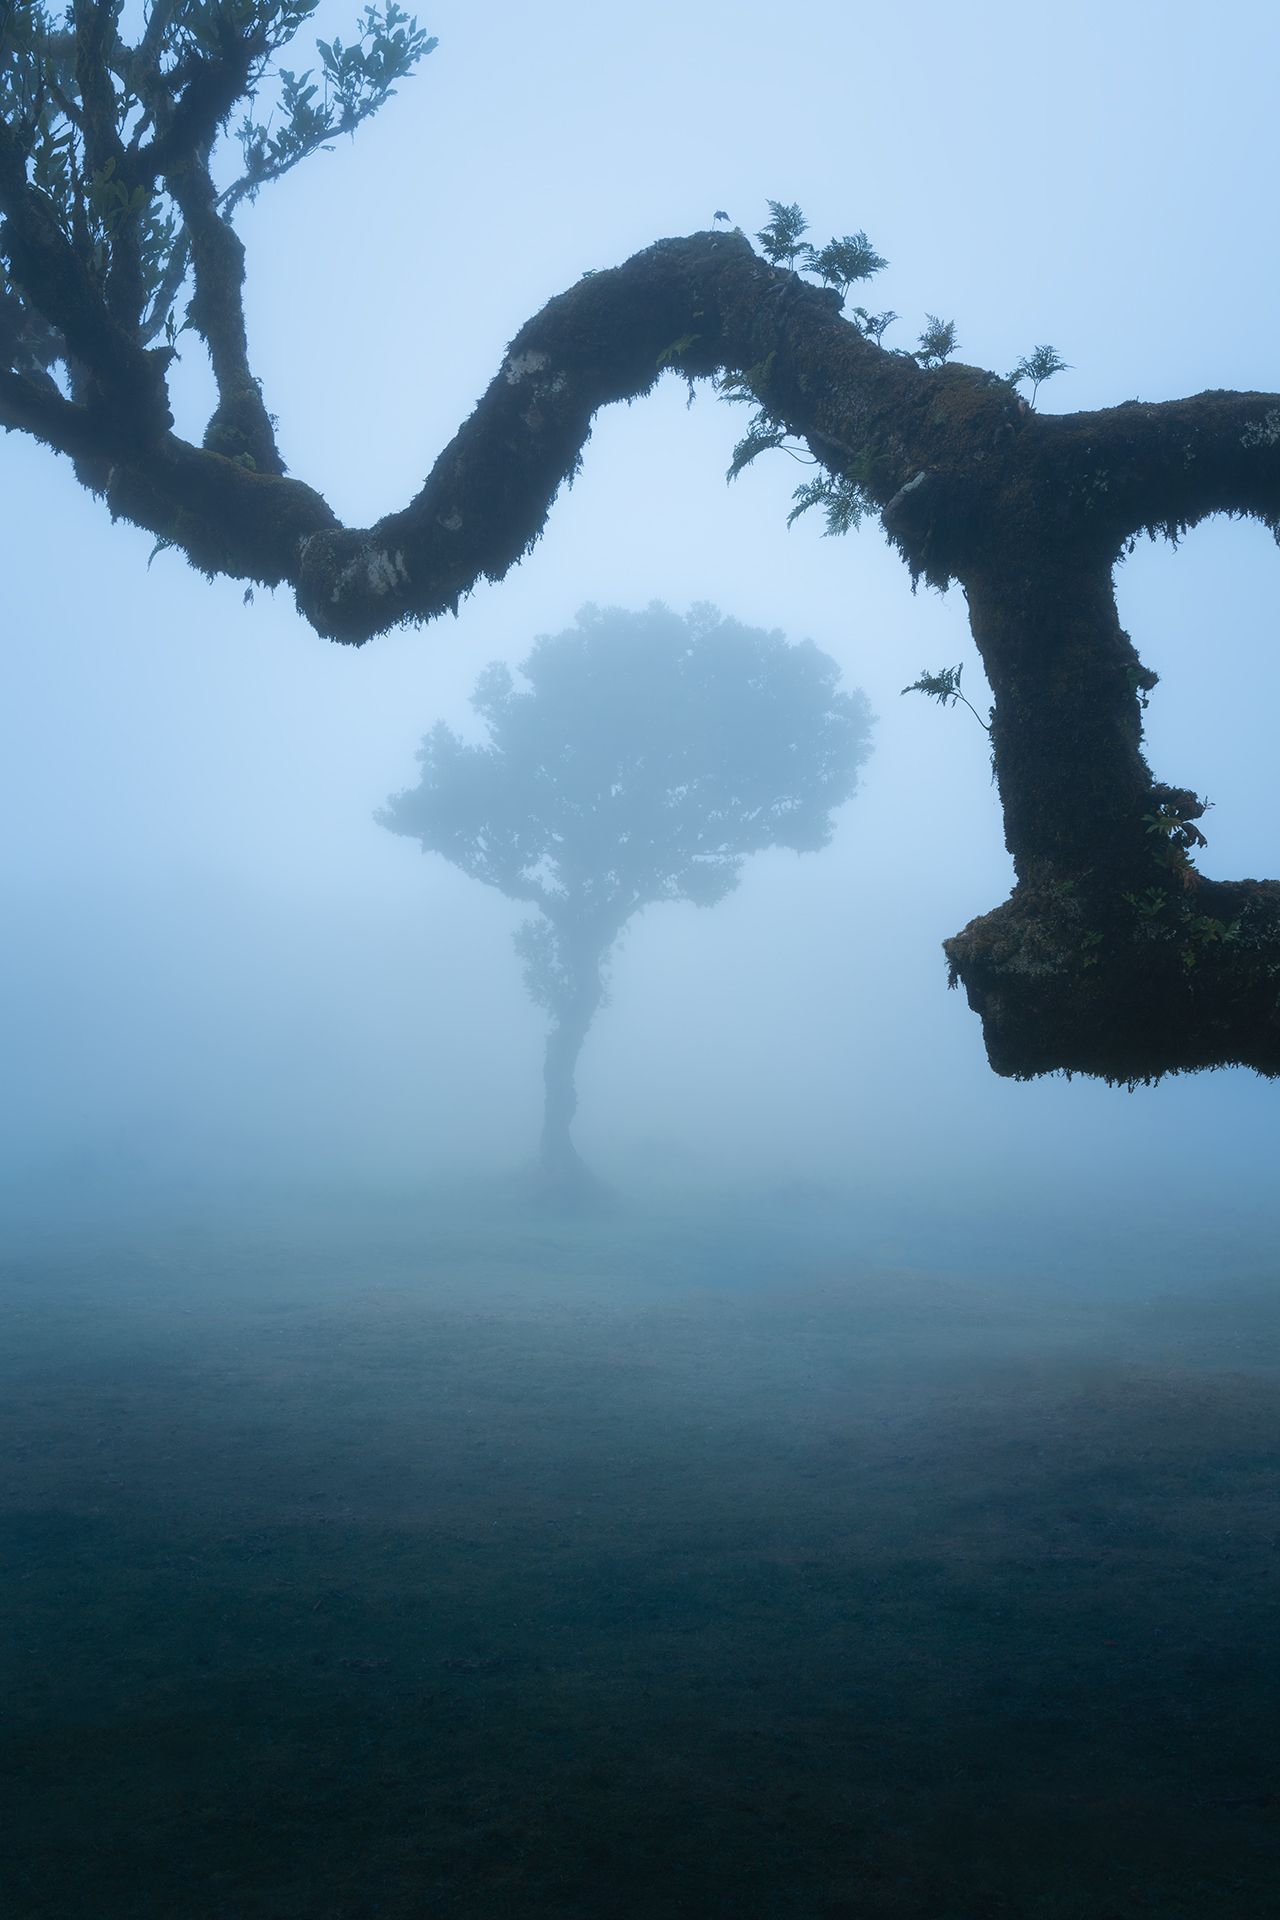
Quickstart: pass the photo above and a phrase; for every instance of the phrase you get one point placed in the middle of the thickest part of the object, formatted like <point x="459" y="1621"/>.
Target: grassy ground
<point x="631" y="1568"/>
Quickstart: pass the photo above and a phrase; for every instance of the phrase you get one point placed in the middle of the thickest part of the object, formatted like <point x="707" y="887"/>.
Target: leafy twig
<point x="1038" y="367"/>
<point x="944" y="687"/>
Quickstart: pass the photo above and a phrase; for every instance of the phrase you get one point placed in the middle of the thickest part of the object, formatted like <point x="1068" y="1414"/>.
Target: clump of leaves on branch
<point x="780" y="240"/>
<point x="353" y="82"/>
<point x="839" y="265"/>
<point x="1038" y="367"/>
<point x="113" y="206"/>
<point x="118" y="197"/>
<point x="944" y="687"/>
<point x="937" y="342"/>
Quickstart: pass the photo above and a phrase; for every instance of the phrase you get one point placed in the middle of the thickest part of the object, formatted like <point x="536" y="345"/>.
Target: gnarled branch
<point x="1114" y="956"/>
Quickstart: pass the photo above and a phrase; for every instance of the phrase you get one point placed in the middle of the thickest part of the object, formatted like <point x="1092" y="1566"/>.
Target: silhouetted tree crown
<point x="118" y="195"/>
<point x="639" y="757"/>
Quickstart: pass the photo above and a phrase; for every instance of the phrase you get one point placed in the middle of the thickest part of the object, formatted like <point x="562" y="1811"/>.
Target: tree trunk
<point x="1113" y="956"/>
<point x="560" y="1161"/>
<point x="1066" y="733"/>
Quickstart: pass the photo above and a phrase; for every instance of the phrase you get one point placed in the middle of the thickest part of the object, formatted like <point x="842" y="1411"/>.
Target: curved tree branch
<point x="698" y="306"/>
<point x="950" y="454"/>
<point x="1113" y="956"/>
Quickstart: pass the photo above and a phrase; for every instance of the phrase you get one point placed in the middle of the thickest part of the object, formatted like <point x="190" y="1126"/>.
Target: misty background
<point x="220" y="976"/>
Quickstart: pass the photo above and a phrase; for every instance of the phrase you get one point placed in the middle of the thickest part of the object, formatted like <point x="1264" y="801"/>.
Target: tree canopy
<point x="640" y="758"/>
<point x="1114" y="955"/>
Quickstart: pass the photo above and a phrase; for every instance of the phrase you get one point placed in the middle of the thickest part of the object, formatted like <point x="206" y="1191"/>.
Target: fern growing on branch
<point x="944" y="687"/>
<point x="843" y="502"/>
<point x="780" y="240"/>
<point x="1038" y="367"/>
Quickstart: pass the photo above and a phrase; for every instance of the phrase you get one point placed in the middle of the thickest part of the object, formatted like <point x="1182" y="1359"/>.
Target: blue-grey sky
<point x="216" y="958"/>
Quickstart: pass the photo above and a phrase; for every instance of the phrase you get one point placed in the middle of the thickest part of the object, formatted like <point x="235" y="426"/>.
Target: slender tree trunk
<point x="560" y="1160"/>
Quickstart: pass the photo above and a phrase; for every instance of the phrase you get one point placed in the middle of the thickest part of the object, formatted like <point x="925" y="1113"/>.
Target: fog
<point x="223" y="969"/>
<point x="221" y="963"/>
<point x="261" y="1054"/>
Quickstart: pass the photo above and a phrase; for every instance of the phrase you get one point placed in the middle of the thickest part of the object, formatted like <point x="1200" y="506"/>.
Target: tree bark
<point x="1113" y="956"/>
<point x="1066" y="727"/>
<point x="560" y="1161"/>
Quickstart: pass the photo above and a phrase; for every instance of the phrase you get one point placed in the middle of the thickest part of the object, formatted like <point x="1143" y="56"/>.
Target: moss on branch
<point x="1113" y="956"/>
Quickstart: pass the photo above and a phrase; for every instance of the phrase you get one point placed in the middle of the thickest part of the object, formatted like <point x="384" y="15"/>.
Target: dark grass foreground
<point x="625" y="1570"/>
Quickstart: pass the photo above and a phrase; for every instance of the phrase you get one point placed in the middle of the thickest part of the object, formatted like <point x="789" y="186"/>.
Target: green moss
<point x="1127" y="985"/>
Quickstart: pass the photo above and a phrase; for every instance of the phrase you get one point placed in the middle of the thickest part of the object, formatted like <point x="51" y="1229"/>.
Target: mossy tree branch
<point x="1114" y="956"/>
<point x="241" y="427"/>
<point x="188" y="123"/>
<point x="1162" y="468"/>
<point x="56" y="284"/>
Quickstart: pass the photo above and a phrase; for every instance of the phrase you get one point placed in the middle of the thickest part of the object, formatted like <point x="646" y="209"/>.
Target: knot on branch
<point x="342" y="574"/>
<point x="240" y="430"/>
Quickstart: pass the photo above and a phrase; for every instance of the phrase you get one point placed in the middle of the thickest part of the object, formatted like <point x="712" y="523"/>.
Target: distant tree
<point x="119" y="193"/>
<point x="643" y="758"/>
